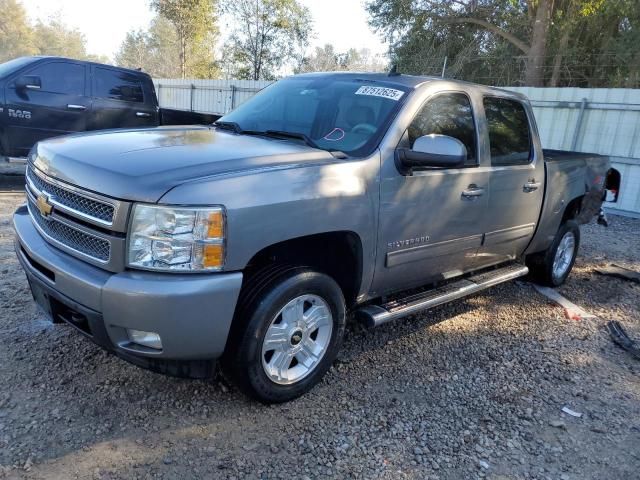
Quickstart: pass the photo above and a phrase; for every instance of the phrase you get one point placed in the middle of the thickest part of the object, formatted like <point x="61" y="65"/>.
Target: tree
<point x="326" y="59"/>
<point x="502" y="40"/>
<point x="16" y="34"/>
<point x="18" y="37"/>
<point x="268" y="35"/>
<point x="155" y="51"/>
<point x="56" y="39"/>
<point x="195" y="25"/>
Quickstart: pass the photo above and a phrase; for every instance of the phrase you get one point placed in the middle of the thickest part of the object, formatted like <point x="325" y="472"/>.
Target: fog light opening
<point x="146" y="339"/>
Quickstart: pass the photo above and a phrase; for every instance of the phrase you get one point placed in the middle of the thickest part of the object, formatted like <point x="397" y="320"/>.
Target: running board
<point x="374" y="315"/>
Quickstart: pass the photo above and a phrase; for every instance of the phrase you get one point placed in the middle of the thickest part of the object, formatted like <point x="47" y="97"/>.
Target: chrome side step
<point x="374" y="315"/>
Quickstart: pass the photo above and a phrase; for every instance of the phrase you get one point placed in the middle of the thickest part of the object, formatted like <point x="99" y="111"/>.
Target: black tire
<point x="541" y="264"/>
<point x="242" y="361"/>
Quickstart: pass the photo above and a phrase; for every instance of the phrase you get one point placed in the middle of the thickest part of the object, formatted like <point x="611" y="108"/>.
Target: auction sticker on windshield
<point x="390" y="93"/>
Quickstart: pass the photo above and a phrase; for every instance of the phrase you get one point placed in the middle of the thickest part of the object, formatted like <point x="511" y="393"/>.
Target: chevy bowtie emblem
<point x="44" y="206"/>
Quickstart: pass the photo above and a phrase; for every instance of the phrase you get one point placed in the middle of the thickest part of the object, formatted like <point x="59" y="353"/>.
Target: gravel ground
<point x="477" y="396"/>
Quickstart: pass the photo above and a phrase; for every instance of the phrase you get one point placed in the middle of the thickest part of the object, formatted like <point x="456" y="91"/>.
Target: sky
<point x="105" y="23"/>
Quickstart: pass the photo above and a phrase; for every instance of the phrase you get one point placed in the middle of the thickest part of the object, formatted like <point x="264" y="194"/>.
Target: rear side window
<point x="509" y="136"/>
<point x="60" y="77"/>
<point x="117" y="85"/>
<point x="447" y="114"/>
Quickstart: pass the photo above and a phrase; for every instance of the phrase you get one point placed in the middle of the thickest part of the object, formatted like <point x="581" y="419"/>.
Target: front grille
<point x="70" y="237"/>
<point x="93" y="208"/>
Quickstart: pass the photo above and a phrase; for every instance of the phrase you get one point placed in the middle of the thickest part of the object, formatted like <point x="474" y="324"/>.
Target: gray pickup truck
<point x="324" y="196"/>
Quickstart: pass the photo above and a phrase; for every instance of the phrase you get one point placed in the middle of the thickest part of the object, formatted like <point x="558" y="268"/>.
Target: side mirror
<point x="28" y="82"/>
<point x="432" y="151"/>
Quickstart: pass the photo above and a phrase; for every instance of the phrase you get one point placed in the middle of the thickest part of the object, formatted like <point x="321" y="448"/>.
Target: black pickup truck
<point x="43" y="97"/>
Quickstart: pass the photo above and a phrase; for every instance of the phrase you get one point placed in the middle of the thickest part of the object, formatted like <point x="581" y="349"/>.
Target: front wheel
<point x="290" y="335"/>
<point x="553" y="266"/>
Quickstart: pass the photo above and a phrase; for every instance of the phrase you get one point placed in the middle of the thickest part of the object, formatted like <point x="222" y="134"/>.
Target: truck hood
<point x="143" y="164"/>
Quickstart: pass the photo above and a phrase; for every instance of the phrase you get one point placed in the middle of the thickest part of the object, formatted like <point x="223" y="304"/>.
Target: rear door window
<point x="509" y="135"/>
<point x="60" y="77"/>
<point x="117" y="85"/>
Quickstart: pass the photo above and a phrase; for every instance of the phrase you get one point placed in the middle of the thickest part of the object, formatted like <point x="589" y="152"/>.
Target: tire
<point x="543" y="266"/>
<point x="306" y="337"/>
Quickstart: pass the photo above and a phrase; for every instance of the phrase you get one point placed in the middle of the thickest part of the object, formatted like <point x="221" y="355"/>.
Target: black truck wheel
<point x="553" y="266"/>
<point x="287" y="337"/>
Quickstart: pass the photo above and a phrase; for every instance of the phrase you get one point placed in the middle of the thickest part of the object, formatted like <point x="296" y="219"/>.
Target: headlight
<point x="176" y="238"/>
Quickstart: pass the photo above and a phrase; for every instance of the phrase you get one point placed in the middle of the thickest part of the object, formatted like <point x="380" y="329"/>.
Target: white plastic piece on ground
<point x="571" y="309"/>
<point x="573" y="413"/>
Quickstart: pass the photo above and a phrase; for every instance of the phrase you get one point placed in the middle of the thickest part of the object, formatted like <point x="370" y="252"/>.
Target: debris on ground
<point x="623" y="340"/>
<point x="571" y="310"/>
<point x="619" y="272"/>
<point x="573" y="413"/>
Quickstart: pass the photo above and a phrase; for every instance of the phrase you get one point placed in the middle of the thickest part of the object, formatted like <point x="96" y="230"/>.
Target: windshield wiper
<point x="233" y="126"/>
<point x="295" y="135"/>
<point x="236" y="128"/>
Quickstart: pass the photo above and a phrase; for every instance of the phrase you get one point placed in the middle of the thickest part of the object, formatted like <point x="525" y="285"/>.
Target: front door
<point x="516" y="185"/>
<point x="431" y="221"/>
<point x="58" y="107"/>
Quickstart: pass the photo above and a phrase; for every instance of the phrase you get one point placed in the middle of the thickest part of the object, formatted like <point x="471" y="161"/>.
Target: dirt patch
<point x="476" y="396"/>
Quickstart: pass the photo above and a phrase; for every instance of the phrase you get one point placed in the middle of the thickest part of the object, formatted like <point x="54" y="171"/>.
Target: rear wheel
<point x="288" y="336"/>
<point x="553" y="266"/>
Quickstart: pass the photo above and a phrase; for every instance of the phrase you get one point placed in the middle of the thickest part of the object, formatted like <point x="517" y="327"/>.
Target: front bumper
<point x="191" y="312"/>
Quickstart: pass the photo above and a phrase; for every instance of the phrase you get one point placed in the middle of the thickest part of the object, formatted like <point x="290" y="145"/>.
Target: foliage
<point x="196" y="29"/>
<point x="326" y="59"/>
<point x="268" y="36"/>
<point x="18" y="37"/>
<point x="155" y="51"/>
<point x="509" y="42"/>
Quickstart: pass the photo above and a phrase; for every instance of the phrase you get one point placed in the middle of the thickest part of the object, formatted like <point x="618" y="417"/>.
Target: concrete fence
<point x="598" y="120"/>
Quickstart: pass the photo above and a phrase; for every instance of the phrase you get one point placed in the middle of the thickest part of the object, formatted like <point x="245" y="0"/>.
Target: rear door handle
<point x="143" y="114"/>
<point x="73" y="106"/>
<point x="472" y="192"/>
<point x="531" y="186"/>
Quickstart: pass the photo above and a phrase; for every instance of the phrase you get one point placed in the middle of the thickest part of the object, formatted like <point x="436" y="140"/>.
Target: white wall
<point x="610" y="126"/>
<point x="208" y="96"/>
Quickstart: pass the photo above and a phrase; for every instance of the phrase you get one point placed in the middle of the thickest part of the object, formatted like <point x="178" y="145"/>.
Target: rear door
<point x="58" y="107"/>
<point x="516" y="185"/>
<point x="120" y="100"/>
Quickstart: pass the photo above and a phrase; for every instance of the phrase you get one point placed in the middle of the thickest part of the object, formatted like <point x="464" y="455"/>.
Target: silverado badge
<point x="44" y="206"/>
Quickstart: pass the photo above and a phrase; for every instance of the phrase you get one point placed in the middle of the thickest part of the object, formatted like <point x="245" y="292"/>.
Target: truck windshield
<point x="12" y="65"/>
<point x="347" y="115"/>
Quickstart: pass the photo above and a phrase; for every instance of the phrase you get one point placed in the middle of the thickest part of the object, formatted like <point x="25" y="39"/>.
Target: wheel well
<point x="572" y="210"/>
<point x="338" y="254"/>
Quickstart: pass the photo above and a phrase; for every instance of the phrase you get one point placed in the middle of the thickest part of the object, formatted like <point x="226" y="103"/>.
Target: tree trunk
<point x="183" y="56"/>
<point x="534" y="74"/>
<point x="557" y="61"/>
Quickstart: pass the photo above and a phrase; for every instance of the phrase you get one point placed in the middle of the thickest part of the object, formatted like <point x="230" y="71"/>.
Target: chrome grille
<point x="90" y="245"/>
<point x="72" y="200"/>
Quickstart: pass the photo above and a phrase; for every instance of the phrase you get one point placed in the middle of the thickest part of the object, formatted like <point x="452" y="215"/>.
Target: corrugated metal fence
<point x="207" y="96"/>
<point x="598" y="120"/>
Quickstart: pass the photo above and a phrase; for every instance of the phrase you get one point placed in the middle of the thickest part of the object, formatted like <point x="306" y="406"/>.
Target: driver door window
<point x="447" y="114"/>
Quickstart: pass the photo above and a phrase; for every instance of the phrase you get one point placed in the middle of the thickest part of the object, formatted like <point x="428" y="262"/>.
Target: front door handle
<point x="472" y="192"/>
<point x="73" y="106"/>
<point x="143" y="114"/>
<point x="531" y="186"/>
